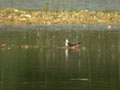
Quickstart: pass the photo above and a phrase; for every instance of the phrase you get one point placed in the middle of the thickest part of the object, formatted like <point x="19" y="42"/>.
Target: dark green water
<point x="94" y="66"/>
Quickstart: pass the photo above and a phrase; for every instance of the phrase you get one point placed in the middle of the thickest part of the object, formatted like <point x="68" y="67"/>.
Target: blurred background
<point x="96" y="5"/>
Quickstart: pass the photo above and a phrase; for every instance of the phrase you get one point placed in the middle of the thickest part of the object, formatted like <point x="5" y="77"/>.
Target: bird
<point x="71" y="45"/>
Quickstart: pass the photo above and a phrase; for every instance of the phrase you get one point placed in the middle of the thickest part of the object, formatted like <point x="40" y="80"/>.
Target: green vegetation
<point x="7" y="12"/>
<point x="46" y="9"/>
<point x="17" y="14"/>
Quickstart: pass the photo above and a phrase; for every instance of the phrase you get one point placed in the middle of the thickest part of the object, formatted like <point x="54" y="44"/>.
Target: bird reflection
<point x="70" y="51"/>
<point x="71" y="48"/>
<point x="66" y="53"/>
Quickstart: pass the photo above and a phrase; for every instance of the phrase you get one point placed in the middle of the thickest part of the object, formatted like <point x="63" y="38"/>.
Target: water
<point x="93" y="66"/>
<point x="62" y="4"/>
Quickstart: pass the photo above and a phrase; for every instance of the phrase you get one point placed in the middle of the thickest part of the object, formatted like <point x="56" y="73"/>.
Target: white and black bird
<point x="71" y="45"/>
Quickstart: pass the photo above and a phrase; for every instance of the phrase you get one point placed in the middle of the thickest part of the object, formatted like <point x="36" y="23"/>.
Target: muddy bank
<point x="14" y="16"/>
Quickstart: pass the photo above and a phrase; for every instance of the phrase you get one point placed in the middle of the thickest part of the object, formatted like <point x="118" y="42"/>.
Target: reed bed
<point x="15" y="16"/>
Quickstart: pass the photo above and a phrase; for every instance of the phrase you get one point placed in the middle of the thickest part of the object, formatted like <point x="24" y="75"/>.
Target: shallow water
<point x="36" y="60"/>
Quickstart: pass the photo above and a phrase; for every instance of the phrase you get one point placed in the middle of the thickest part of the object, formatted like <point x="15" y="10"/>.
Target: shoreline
<point x="59" y="27"/>
<point x="11" y="16"/>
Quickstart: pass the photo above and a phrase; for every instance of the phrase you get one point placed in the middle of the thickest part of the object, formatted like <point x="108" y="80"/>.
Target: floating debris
<point x="9" y="48"/>
<point x="3" y="45"/>
<point x="26" y="46"/>
<point x="109" y="26"/>
<point x="35" y="46"/>
<point x="82" y="79"/>
<point x="84" y="48"/>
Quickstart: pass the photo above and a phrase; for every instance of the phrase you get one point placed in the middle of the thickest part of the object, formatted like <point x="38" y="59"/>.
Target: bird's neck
<point x="66" y="44"/>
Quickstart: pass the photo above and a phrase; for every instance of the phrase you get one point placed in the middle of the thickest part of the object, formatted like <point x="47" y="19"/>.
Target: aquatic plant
<point x="46" y="8"/>
<point x="41" y="44"/>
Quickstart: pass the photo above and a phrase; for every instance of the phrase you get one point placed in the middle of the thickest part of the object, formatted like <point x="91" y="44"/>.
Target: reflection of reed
<point x="2" y="81"/>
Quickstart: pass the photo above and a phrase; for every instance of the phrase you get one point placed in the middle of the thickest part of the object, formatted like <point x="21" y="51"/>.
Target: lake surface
<point x="62" y="4"/>
<point x="36" y="60"/>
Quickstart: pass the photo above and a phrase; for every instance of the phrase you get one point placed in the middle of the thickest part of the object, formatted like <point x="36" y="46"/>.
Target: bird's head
<point x="66" y="42"/>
